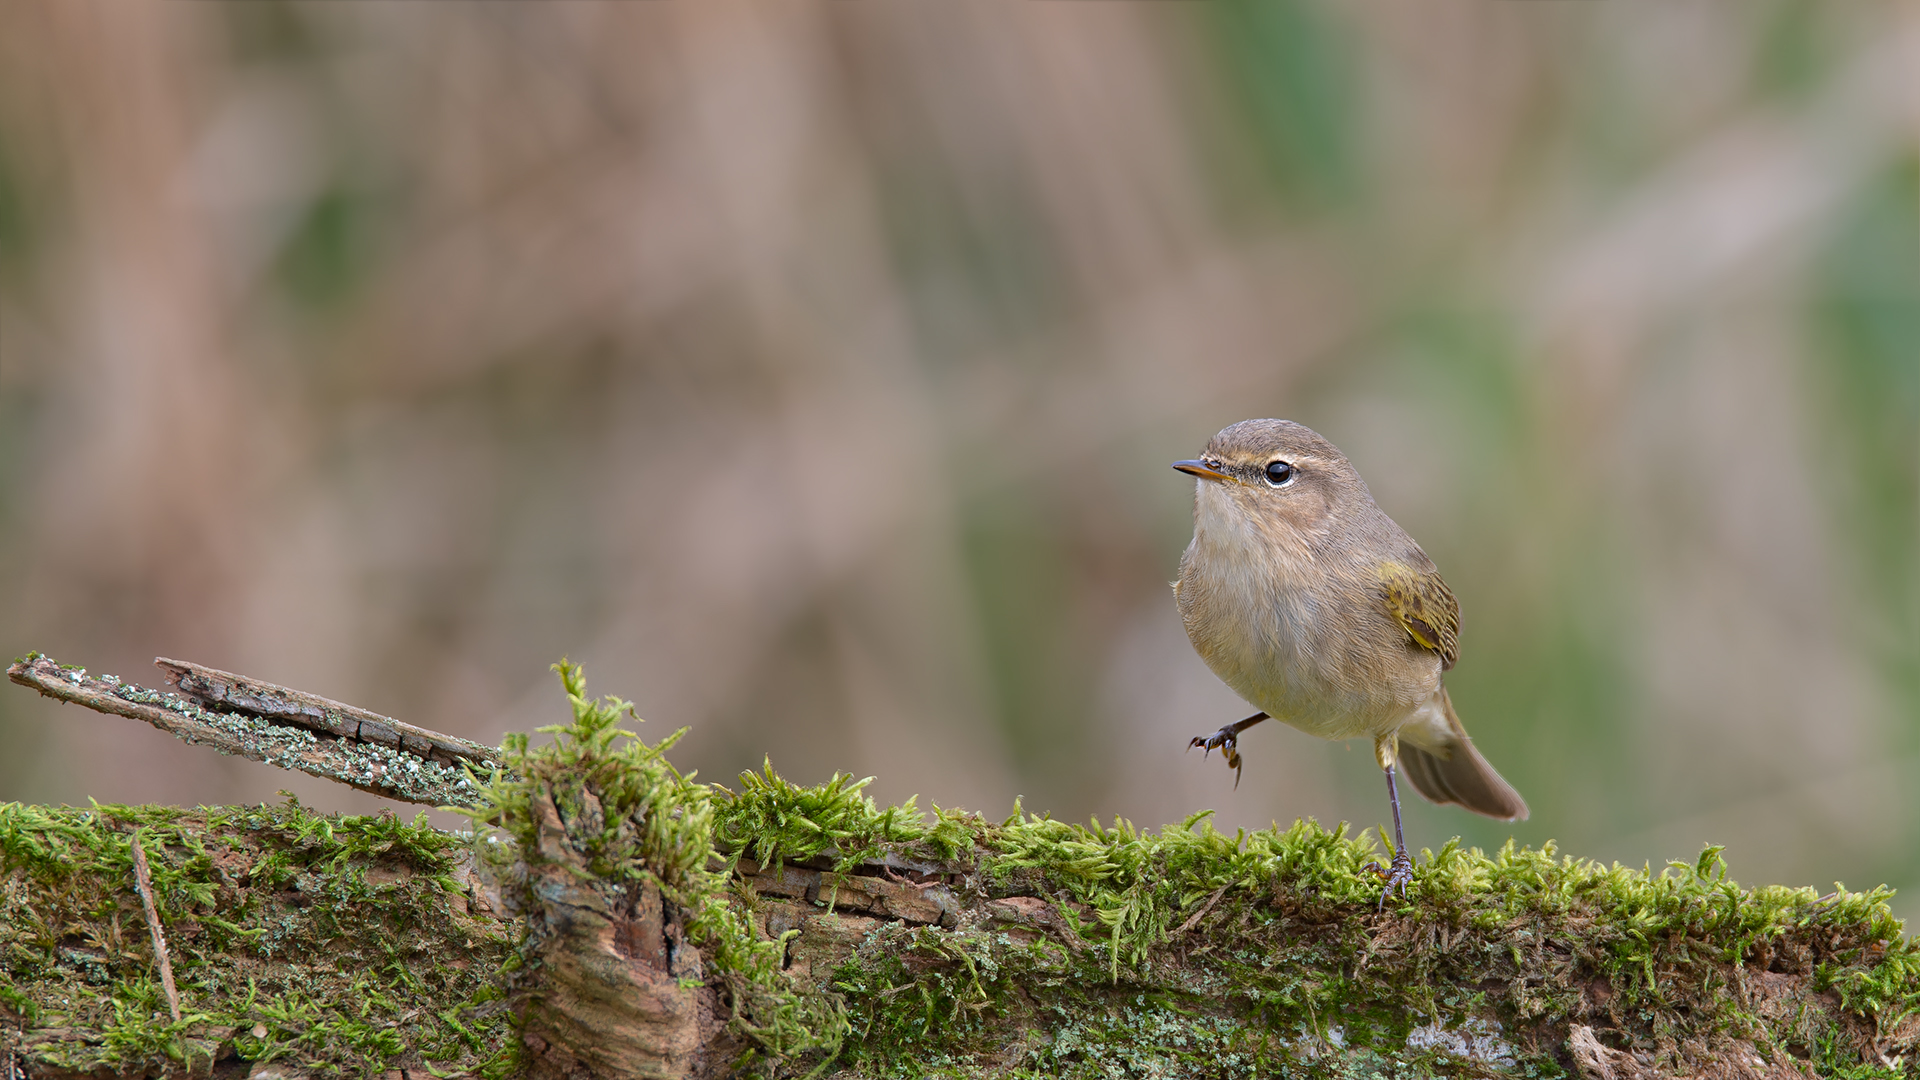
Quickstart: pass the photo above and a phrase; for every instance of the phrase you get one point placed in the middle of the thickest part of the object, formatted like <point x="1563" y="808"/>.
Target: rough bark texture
<point x="276" y="726"/>
<point x="619" y="991"/>
<point x="632" y="923"/>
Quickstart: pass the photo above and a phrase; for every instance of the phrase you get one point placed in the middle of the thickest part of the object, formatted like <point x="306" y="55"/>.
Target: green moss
<point x="1263" y="950"/>
<point x="771" y="820"/>
<point x="335" y="944"/>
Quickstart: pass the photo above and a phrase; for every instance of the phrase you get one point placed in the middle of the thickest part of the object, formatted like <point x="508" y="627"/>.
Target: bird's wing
<point x="1425" y="606"/>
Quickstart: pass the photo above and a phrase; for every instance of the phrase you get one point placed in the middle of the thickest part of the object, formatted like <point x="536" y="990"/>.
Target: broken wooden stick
<point x="218" y="689"/>
<point x="143" y="881"/>
<point x="287" y="728"/>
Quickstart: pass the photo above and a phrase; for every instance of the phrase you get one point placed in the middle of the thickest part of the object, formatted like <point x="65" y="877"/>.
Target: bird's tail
<point x="1441" y="761"/>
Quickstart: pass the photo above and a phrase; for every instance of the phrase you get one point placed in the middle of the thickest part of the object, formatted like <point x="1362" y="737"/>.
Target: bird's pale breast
<point x="1311" y="648"/>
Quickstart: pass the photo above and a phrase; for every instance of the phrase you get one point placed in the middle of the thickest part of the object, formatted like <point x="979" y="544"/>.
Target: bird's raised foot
<point x="1398" y="875"/>
<point x="1227" y="741"/>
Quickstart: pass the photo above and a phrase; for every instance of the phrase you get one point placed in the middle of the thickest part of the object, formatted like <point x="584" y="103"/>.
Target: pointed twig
<point x="1194" y="919"/>
<point x="143" y="880"/>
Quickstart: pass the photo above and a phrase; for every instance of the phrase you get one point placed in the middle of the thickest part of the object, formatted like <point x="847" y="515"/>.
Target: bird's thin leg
<point x="1400" y="874"/>
<point x="1228" y="740"/>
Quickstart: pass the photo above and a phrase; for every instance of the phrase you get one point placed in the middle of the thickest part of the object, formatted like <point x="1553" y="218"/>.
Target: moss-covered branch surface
<point x="775" y="929"/>
<point x="312" y="942"/>
<point x="1102" y="951"/>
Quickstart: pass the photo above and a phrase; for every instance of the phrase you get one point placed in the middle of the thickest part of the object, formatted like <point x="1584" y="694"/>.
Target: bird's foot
<point x="1399" y="875"/>
<point x="1227" y="741"/>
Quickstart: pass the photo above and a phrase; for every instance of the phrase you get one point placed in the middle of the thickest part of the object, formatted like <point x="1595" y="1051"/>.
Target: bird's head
<point x="1279" y="477"/>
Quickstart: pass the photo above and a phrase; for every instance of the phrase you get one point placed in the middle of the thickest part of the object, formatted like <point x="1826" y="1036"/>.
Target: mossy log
<point x="610" y="918"/>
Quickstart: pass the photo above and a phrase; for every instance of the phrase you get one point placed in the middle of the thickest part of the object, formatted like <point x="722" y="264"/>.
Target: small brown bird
<point x="1310" y="602"/>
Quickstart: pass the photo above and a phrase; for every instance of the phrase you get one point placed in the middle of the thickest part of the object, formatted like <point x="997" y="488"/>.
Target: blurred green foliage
<point x="328" y="251"/>
<point x="16" y="220"/>
<point x="1291" y="66"/>
<point x="269" y="32"/>
<point x="1866" y="371"/>
<point x="1023" y="577"/>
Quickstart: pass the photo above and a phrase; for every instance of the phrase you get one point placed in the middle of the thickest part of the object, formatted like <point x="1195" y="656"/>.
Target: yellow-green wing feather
<point x="1425" y="606"/>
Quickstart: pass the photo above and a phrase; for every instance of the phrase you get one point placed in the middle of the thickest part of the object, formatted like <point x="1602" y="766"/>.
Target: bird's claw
<point x="1227" y="740"/>
<point x="1399" y="875"/>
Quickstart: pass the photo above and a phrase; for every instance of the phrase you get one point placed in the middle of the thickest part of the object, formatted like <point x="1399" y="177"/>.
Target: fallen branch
<point x="226" y="691"/>
<point x="286" y="728"/>
<point x="662" y="927"/>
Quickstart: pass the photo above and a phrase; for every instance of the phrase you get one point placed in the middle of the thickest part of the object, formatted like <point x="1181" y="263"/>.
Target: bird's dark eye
<point x="1279" y="472"/>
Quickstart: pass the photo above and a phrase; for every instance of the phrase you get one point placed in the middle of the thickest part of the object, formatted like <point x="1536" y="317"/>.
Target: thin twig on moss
<point x="143" y="881"/>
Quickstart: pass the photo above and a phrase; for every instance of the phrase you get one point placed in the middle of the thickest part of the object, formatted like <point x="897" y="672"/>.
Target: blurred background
<point x="810" y="372"/>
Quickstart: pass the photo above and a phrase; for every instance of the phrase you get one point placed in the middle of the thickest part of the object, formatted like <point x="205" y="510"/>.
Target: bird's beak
<point x="1200" y="469"/>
